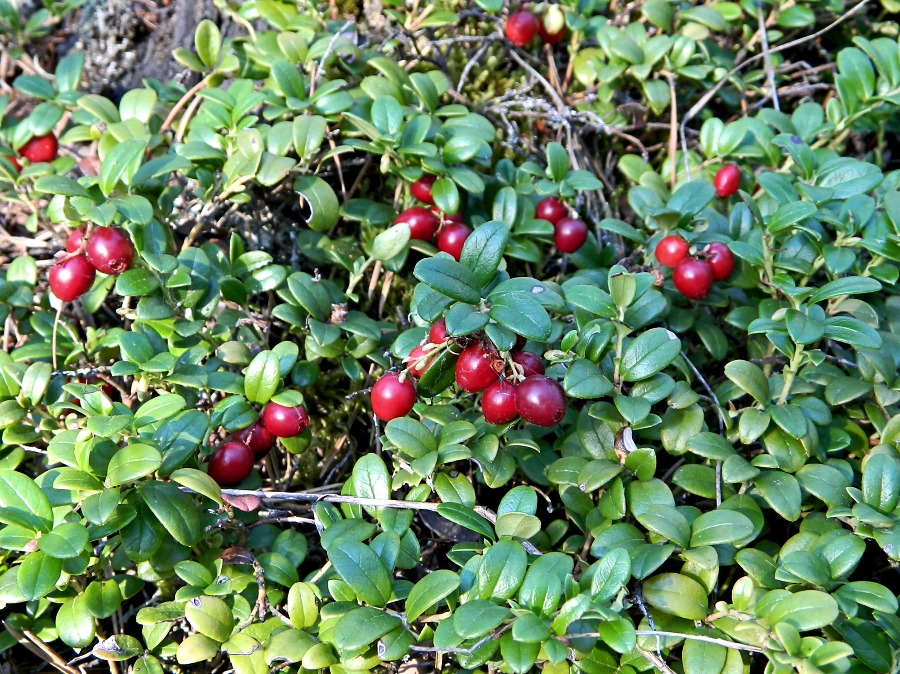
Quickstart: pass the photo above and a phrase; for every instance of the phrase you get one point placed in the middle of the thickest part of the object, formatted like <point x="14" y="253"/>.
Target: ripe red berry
<point x="421" y="189"/>
<point x="727" y="180"/>
<point x="721" y="260"/>
<point x="671" y="250"/>
<point x="40" y="148"/>
<point x="416" y="361"/>
<point x="521" y="28"/>
<point x="438" y="332"/>
<point x="551" y="209"/>
<point x="499" y="402"/>
<point x="540" y="401"/>
<point x="285" y="422"/>
<point x="12" y="160"/>
<point x="257" y="437"/>
<point x="530" y="363"/>
<point x="452" y="237"/>
<point x="693" y="278"/>
<point x="475" y="369"/>
<point x="110" y="250"/>
<point x="552" y="28"/>
<point x="569" y="235"/>
<point x="392" y="398"/>
<point x="231" y="462"/>
<point x="73" y="242"/>
<point x="72" y="278"/>
<point x="423" y="224"/>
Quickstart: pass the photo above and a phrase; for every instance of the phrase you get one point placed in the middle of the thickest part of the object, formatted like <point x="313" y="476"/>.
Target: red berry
<point x="520" y="343"/>
<point x="569" y="235"/>
<point x="438" y="332"/>
<point x="693" y="278"/>
<point x="551" y="209"/>
<point x="475" y="369"/>
<point x="727" y="180"/>
<point x="530" y="363"/>
<point x="421" y="189"/>
<point x="423" y="224"/>
<point x="521" y="28"/>
<point x="671" y="250"/>
<point x="417" y="362"/>
<point x="452" y="237"/>
<point x="720" y="259"/>
<point x="285" y="422"/>
<point x="392" y="398"/>
<point x="499" y="402"/>
<point x="73" y="243"/>
<point x="40" y="148"/>
<point x="231" y="462"/>
<point x="257" y="437"/>
<point x="456" y="218"/>
<point x="72" y="278"/>
<point x="110" y="250"/>
<point x="540" y="401"/>
<point x="12" y="160"/>
<point x="552" y="28"/>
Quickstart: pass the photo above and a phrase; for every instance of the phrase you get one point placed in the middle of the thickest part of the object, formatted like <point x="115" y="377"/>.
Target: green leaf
<point x="476" y="618"/>
<point x="22" y="502"/>
<point x="136" y="283"/>
<point x="120" y="164"/>
<point x="483" y="250"/>
<point x="174" y="509"/>
<point x="429" y="591"/>
<point x="390" y="243"/>
<point x="65" y="541"/>
<point x="585" y="380"/>
<point x="321" y="200"/>
<point x="159" y="408"/>
<point x="38" y="574"/>
<point x="208" y="42"/>
<point x="881" y="483"/>
<point x="411" y="437"/>
<point x="449" y="277"/>
<point x="262" y="378"/>
<point x="701" y="657"/>
<point x="211" y="617"/>
<point x="611" y="573"/>
<point x="445" y="195"/>
<point x="522" y="314"/>
<point x="749" y="378"/>
<point x="60" y="185"/>
<point x="850" y="285"/>
<point x="371" y="480"/>
<point x="132" y="462"/>
<point x="501" y="571"/>
<point x="557" y="161"/>
<point x="363" y="626"/>
<point x="198" y="481"/>
<point x="782" y="492"/>
<point x="651" y="352"/>
<point x="720" y="526"/>
<point x="74" y="622"/>
<point x="805" y="610"/>
<point x="466" y="517"/>
<point x="363" y="570"/>
<point x="676" y="595"/>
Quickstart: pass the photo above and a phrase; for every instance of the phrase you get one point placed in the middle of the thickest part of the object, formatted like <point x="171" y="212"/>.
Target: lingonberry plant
<point x="419" y="343"/>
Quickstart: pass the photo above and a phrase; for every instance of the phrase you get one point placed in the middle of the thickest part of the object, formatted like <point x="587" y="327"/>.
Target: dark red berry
<point x="551" y="209"/>
<point x="499" y="402"/>
<point x="110" y="250"/>
<point x="73" y="243"/>
<point x="421" y="189"/>
<point x="671" y="250"/>
<point x="727" y="180"/>
<point x="540" y="401"/>
<point x="721" y="260"/>
<point x="257" y="437"/>
<point x="438" y="332"/>
<point x="693" y="278"/>
<point x="40" y="148"/>
<point x="231" y="462"/>
<point x="452" y="237"/>
<point x="475" y="369"/>
<point x="552" y="27"/>
<point x="12" y="160"/>
<point x="521" y="28"/>
<point x="285" y="422"/>
<point x="456" y="218"/>
<point x="520" y="343"/>
<point x="530" y="363"/>
<point x="72" y="278"/>
<point x="416" y="362"/>
<point x="569" y="235"/>
<point x="393" y="398"/>
<point x="423" y="224"/>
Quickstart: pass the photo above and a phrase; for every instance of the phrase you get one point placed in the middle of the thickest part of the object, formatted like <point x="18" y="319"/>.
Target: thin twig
<point x="767" y="56"/>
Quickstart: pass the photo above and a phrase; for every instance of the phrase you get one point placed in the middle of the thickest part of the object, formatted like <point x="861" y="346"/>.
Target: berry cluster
<point x="104" y="249"/>
<point x="233" y="460"/>
<point x="523" y="26"/>
<point x="694" y="276"/>
<point x="513" y="383"/>
<point x="38" y="149"/>
<point x="424" y="223"/>
<point x="569" y="234"/>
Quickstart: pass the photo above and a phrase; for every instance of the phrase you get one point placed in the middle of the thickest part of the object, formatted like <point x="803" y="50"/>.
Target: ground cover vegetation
<point x="455" y="337"/>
